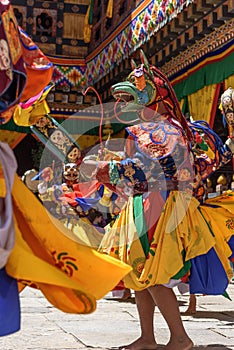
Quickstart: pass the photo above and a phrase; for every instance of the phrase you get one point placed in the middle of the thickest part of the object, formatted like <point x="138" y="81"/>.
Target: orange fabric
<point x="130" y="146"/>
<point x="36" y="82"/>
<point x="38" y="67"/>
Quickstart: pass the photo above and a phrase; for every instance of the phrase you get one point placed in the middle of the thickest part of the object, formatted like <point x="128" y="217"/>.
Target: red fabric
<point x="120" y="286"/>
<point x="103" y="173"/>
<point x="185" y="278"/>
<point x="81" y="190"/>
<point x="130" y="146"/>
<point x="38" y="68"/>
<point x="86" y="189"/>
<point x="153" y="206"/>
<point x="214" y="106"/>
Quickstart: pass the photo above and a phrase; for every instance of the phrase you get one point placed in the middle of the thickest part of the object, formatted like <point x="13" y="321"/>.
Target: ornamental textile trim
<point x="212" y="48"/>
<point x="68" y="72"/>
<point x="141" y="25"/>
<point x="68" y="76"/>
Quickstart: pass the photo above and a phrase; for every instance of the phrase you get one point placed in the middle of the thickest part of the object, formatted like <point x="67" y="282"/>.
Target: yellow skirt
<point x="182" y="233"/>
<point x="219" y="214"/>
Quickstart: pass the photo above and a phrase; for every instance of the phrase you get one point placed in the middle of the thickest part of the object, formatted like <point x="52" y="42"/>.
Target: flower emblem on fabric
<point x="156" y="140"/>
<point x="65" y="262"/>
<point x="152" y="250"/>
<point x="184" y="174"/>
<point x="230" y="224"/>
<point x="157" y="150"/>
<point x="129" y="172"/>
<point x="158" y="136"/>
<point x="138" y="265"/>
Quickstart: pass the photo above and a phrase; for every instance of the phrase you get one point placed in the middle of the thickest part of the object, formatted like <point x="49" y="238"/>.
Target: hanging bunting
<point x="109" y="11"/>
<point x="88" y="23"/>
<point x="131" y="34"/>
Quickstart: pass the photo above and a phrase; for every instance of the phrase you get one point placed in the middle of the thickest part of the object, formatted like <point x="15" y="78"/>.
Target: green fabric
<point x="73" y="126"/>
<point x="212" y="73"/>
<point x="184" y="269"/>
<point x="88" y="127"/>
<point x="91" y="13"/>
<point x="140" y="223"/>
<point x="142" y="232"/>
<point x="11" y="126"/>
<point x="226" y="295"/>
<point x="113" y="172"/>
<point x="207" y="222"/>
<point x="185" y="106"/>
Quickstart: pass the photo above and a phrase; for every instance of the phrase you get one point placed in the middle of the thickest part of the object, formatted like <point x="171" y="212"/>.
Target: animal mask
<point x="145" y="92"/>
<point x="71" y="173"/>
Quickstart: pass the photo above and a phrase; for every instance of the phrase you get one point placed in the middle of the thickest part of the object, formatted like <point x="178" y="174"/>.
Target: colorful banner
<point x="131" y="34"/>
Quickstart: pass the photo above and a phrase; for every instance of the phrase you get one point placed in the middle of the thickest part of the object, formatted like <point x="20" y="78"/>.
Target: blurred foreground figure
<point x="36" y="250"/>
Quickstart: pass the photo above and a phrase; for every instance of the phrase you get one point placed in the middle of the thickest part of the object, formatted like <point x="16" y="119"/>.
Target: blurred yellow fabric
<point x="3" y="190"/>
<point x="71" y="275"/>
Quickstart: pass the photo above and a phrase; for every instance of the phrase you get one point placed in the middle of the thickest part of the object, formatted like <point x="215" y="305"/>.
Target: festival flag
<point x="109" y="11"/>
<point x="88" y="23"/>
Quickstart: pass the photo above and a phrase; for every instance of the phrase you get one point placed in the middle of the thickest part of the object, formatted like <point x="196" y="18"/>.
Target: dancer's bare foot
<point x="191" y="310"/>
<point x="141" y="344"/>
<point x="127" y="294"/>
<point x="181" y="343"/>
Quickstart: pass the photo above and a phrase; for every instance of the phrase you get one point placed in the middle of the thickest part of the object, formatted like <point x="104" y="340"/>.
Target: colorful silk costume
<point x="166" y="232"/>
<point x="163" y="232"/>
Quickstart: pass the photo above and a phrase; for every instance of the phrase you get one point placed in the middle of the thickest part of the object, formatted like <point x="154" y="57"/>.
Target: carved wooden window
<point x="73" y="26"/>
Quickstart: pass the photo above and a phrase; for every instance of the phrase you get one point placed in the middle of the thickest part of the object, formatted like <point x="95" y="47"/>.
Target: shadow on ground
<point x="213" y="347"/>
<point x="207" y="347"/>
<point x="129" y="300"/>
<point x="227" y="316"/>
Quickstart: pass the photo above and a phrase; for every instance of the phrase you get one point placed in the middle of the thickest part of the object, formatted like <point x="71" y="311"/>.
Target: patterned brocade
<point x="114" y="174"/>
<point x="103" y="172"/>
